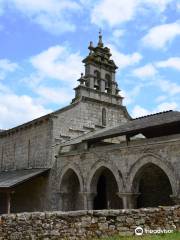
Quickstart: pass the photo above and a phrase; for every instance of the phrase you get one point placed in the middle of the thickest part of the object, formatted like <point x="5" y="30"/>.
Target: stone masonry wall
<point x="26" y="148"/>
<point x="84" y="117"/>
<point x="87" y="224"/>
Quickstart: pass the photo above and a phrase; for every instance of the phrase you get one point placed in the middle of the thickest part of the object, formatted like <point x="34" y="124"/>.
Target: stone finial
<point x="100" y="42"/>
<point x="81" y="79"/>
<point x="91" y="44"/>
<point x="90" y="47"/>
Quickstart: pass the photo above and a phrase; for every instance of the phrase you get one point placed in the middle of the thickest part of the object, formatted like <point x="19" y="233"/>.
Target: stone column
<point x="102" y="85"/>
<point x="88" y="199"/>
<point x="129" y="199"/>
<point x="8" y="210"/>
<point x="64" y="201"/>
<point x="113" y="88"/>
<point x="8" y="201"/>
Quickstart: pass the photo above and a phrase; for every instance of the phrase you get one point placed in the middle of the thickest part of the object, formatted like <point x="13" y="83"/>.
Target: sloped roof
<point x="84" y="136"/>
<point x="11" y="179"/>
<point x="148" y="125"/>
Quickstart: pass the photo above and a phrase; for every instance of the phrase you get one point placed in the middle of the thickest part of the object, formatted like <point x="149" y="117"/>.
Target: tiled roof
<point x="10" y="179"/>
<point x="140" y="125"/>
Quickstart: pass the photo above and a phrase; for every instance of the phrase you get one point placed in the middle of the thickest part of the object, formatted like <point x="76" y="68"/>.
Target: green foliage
<point x="172" y="236"/>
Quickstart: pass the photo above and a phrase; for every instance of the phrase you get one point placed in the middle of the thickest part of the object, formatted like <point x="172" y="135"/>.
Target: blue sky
<point x="42" y="44"/>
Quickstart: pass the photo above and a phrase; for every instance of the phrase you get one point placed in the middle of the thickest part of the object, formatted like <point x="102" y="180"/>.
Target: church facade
<point x="91" y="154"/>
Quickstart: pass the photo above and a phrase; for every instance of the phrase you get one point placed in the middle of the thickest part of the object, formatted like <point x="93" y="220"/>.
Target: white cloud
<point x="147" y="71"/>
<point x="6" y="66"/>
<point x="161" y="98"/>
<point x="161" y="35"/>
<point x="139" y="111"/>
<point x="161" y="5"/>
<point x="173" y="62"/>
<point x="52" y="15"/>
<point x="115" y="12"/>
<point x="165" y="106"/>
<point x="1" y="7"/>
<point x="124" y="60"/>
<point x="178" y="7"/>
<point x="118" y="33"/>
<point x="4" y="89"/>
<point x="54" y="95"/>
<point x="130" y="95"/>
<point x="171" y="88"/>
<point x="58" y="63"/>
<point x="15" y="110"/>
<point x="56" y="71"/>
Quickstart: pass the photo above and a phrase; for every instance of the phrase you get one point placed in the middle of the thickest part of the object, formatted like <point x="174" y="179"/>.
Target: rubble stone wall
<point x="87" y="224"/>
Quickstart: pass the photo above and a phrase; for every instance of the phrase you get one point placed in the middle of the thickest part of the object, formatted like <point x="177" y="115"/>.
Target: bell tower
<point x="99" y="81"/>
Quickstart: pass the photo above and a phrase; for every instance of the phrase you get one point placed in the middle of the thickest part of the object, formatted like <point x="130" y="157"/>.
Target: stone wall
<point x="87" y="224"/>
<point x="85" y="116"/>
<point x="30" y="145"/>
<point x="26" y="147"/>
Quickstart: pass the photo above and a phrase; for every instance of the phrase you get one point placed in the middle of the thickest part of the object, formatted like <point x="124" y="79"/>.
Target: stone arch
<point x="113" y="168"/>
<point x="108" y="77"/>
<point x="155" y="159"/>
<point x="154" y="180"/>
<point x="71" y="187"/>
<point x="108" y="83"/>
<point x="76" y="170"/>
<point x="104" y="185"/>
<point x="97" y="77"/>
<point x="97" y="74"/>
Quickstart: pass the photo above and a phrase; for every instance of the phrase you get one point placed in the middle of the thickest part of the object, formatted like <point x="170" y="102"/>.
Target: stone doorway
<point x="105" y="187"/>
<point x="154" y="187"/>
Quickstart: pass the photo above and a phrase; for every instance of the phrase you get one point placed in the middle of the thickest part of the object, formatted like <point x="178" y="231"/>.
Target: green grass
<point x="171" y="236"/>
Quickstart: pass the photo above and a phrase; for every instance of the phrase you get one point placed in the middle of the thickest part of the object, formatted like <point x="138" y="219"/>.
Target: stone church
<point x="91" y="154"/>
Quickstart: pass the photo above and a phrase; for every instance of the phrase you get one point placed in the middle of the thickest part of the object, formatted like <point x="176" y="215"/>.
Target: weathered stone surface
<point x="76" y="226"/>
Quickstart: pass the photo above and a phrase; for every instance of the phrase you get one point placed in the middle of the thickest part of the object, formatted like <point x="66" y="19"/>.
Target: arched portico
<point x="153" y="185"/>
<point x="153" y="180"/>
<point x="154" y="159"/>
<point x="70" y="190"/>
<point x="103" y="185"/>
<point x="113" y="168"/>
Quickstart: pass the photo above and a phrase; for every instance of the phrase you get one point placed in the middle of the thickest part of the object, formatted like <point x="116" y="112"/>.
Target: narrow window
<point x="104" y="117"/>
<point x="97" y="77"/>
<point x="108" y="83"/>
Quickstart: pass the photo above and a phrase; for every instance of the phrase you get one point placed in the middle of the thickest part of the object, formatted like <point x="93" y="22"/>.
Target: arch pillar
<point x="64" y="200"/>
<point x="88" y="198"/>
<point x="129" y="200"/>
